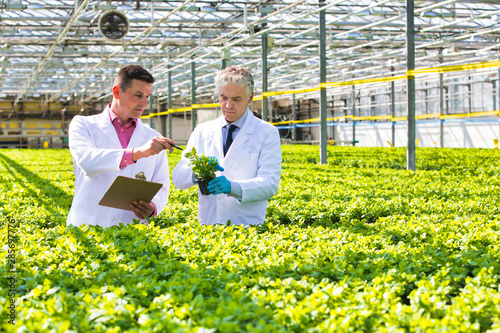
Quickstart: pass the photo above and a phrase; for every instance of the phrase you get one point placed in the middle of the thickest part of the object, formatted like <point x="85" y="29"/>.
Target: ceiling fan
<point x="113" y="24"/>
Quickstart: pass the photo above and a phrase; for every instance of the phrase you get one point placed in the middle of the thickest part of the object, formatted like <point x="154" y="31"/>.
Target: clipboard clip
<point x="140" y="176"/>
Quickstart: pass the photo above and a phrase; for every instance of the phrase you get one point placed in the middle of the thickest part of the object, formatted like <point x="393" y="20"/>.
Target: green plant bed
<point x="358" y="245"/>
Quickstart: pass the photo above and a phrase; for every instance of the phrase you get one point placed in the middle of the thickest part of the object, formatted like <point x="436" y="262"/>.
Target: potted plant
<point x="204" y="168"/>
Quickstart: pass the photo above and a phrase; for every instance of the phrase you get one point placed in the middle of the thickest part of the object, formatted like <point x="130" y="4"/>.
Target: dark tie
<point x="229" y="138"/>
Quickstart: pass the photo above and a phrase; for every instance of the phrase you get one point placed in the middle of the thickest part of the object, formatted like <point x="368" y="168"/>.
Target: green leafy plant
<point x="203" y="166"/>
<point x="358" y="245"/>
<point x="203" y="169"/>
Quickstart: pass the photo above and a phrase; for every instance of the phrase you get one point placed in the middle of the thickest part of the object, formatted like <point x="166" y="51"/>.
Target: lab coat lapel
<point x="243" y="135"/>
<point x="216" y="136"/>
<point x="138" y="137"/>
<point x="107" y="128"/>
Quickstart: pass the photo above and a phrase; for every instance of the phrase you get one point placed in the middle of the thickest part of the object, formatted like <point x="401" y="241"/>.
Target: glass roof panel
<point x="42" y="40"/>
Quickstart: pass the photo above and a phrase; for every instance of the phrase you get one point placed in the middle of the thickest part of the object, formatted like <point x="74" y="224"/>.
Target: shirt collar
<point x="113" y="118"/>
<point x="239" y="123"/>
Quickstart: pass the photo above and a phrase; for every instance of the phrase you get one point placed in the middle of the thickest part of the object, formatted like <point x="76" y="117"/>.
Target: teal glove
<point x="213" y="160"/>
<point x="219" y="185"/>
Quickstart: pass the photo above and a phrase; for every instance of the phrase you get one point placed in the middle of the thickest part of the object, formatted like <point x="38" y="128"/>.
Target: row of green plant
<point x="358" y="245"/>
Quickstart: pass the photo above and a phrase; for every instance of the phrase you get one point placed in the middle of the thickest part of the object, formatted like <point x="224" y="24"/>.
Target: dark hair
<point x="132" y="72"/>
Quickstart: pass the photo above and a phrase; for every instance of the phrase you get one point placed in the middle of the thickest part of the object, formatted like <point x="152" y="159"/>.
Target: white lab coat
<point x="253" y="161"/>
<point x="97" y="153"/>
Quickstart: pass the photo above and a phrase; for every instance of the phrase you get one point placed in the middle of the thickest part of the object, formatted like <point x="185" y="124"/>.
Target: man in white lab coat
<point x="116" y="142"/>
<point x="251" y="167"/>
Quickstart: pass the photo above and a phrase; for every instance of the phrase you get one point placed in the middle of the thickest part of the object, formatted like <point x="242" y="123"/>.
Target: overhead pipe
<point x="238" y="30"/>
<point x="131" y="42"/>
<point x="259" y="33"/>
<point x="363" y="44"/>
<point x="52" y="48"/>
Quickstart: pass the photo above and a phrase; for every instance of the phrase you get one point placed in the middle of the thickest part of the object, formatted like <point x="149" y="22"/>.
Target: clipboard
<point x="125" y="190"/>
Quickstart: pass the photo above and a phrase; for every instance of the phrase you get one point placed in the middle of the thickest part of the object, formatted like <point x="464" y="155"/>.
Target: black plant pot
<point x="202" y="184"/>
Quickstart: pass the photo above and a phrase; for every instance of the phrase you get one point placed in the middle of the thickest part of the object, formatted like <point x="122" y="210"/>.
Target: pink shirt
<point x="124" y="135"/>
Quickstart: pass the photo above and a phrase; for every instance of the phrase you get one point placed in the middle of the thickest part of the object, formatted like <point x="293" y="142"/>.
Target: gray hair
<point x="237" y="75"/>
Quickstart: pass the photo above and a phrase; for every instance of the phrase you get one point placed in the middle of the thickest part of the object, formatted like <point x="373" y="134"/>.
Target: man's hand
<point x="152" y="147"/>
<point x="142" y="209"/>
<point x="212" y="160"/>
<point x="219" y="185"/>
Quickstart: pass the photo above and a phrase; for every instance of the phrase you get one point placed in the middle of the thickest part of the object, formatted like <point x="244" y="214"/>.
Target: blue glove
<point x="219" y="185"/>
<point x="213" y="160"/>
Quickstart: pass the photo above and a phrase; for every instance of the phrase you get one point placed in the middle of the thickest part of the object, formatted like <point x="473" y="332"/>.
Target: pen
<point x="176" y="147"/>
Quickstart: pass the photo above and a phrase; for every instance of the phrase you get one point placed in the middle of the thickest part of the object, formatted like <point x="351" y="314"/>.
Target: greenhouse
<point x="383" y="210"/>
<point x="57" y="62"/>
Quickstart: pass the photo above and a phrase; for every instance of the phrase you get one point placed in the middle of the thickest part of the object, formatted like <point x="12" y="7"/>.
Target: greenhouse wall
<point x="456" y="133"/>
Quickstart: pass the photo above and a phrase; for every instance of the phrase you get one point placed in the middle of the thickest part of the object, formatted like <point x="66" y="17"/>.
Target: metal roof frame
<point x="52" y="50"/>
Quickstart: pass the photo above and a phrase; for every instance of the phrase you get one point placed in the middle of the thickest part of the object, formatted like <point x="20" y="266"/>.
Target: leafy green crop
<point x="203" y="167"/>
<point x="358" y="245"/>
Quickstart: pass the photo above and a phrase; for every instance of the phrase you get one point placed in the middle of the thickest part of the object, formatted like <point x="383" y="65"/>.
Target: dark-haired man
<point x="116" y="142"/>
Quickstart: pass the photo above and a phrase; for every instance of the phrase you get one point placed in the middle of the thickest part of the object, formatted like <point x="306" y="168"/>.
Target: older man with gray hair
<point x="248" y="152"/>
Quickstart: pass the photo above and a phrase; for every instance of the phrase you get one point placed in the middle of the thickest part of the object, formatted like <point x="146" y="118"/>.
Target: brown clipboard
<point x="125" y="190"/>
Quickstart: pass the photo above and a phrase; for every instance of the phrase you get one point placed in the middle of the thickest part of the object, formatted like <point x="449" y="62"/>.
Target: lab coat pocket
<point x="248" y="165"/>
<point x="248" y="157"/>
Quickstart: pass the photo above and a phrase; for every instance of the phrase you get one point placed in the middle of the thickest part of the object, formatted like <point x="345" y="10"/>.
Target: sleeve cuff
<point x="127" y="158"/>
<point x="235" y="190"/>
